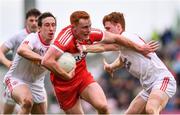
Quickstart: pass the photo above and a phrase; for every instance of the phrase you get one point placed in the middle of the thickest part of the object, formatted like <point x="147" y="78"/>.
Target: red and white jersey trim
<point x="164" y="83"/>
<point x="66" y="37"/>
<point x="57" y="48"/>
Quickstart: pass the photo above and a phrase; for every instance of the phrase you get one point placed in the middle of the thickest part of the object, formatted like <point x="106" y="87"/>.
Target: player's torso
<point x="79" y="57"/>
<point x="135" y="63"/>
<point x="25" y="69"/>
<point x="68" y="43"/>
<point x="138" y="65"/>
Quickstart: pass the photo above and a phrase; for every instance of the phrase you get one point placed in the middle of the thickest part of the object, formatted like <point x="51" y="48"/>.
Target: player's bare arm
<point x="3" y="59"/>
<point x="99" y="47"/>
<point x="123" y="41"/>
<point x="50" y="62"/>
<point x="110" y="68"/>
<point x="25" y="51"/>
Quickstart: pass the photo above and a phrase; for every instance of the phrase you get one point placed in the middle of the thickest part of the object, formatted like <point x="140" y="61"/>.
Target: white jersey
<point x="141" y="67"/>
<point x="14" y="42"/>
<point x="25" y="69"/>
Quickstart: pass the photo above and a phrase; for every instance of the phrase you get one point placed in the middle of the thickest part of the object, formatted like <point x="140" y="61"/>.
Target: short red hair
<point x="77" y="15"/>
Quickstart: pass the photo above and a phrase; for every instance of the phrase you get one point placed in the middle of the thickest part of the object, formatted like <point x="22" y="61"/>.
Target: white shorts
<point x="7" y="98"/>
<point x="37" y="89"/>
<point x="166" y="84"/>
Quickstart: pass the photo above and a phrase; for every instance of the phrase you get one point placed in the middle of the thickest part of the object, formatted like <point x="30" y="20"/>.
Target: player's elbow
<point x="116" y="47"/>
<point x="20" y="50"/>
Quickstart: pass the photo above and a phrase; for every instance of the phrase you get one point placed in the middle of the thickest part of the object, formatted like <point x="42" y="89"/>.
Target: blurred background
<point x="151" y="19"/>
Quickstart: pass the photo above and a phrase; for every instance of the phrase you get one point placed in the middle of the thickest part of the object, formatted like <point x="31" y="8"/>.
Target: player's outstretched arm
<point x="123" y="41"/>
<point x="98" y="48"/>
<point x="50" y="62"/>
<point x="3" y="59"/>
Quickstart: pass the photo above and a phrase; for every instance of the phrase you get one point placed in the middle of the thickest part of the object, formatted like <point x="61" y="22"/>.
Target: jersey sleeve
<point x="30" y="40"/>
<point x="96" y="35"/>
<point x="11" y="42"/>
<point x="134" y="37"/>
<point x="58" y="45"/>
<point x="63" y="39"/>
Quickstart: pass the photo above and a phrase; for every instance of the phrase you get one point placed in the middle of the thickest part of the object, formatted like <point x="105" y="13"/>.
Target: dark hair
<point x="115" y="17"/>
<point x="77" y="15"/>
<point x="44" y="15"/>
<point x="33" y="12"/>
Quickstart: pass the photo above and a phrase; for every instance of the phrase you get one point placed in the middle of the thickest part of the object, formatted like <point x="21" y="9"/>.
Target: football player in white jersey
<point x="25" y="79"/>
<point x="12" y="44"/>
<point x="158" y="83"/>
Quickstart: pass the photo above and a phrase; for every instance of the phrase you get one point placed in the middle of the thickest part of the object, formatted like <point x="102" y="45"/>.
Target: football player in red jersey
<point x="80" y="84"/>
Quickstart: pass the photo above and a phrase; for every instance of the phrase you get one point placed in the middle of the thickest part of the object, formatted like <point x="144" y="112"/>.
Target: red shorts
<point x="68" y="92"/>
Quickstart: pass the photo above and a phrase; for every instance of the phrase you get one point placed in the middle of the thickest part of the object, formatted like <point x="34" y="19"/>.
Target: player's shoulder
<point x="133" y="37"/>
<point x="96" y="34"/>
<point x="65" y="35"/>
<point x="125" y="33"/>
<point x="17" y="37"/>
<point x="32" y="37"/>
<point x="95" y="31"/>
<point x="20" y="33"/>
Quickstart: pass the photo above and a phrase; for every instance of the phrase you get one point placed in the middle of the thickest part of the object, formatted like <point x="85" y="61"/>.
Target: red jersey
<point x="66" y="42"/>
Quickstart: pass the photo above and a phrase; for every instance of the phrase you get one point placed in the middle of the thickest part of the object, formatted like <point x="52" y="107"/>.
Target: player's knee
<point x="103" y="108"/>
<point x="27" y="103"/>
<point x="131" y="111"/>
<point x="127" y="112"/>
<point x="150" y="110"/>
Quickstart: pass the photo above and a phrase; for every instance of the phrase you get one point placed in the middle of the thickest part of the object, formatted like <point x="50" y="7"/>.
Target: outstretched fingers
<point x="149" y="47"/>
<point x="154" y="45"/>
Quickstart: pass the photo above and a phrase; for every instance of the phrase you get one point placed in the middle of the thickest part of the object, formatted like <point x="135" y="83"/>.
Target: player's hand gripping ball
<point x="67" y="61"/>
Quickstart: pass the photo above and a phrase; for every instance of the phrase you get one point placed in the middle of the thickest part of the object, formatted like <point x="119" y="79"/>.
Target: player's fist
<point x="81" y="48"/>
<point x="71" y="74"/>
<point x="108" y="68"/>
